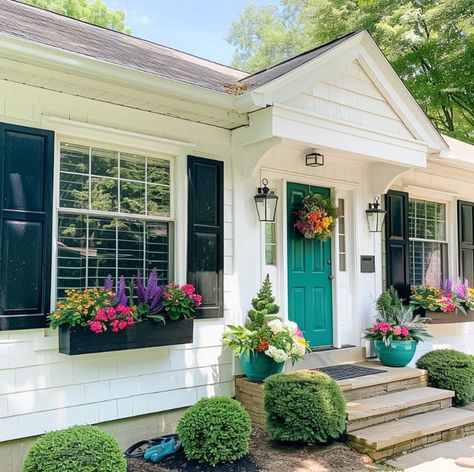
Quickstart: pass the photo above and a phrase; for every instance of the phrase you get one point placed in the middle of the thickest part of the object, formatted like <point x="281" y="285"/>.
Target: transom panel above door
<point x="309" y="274"/>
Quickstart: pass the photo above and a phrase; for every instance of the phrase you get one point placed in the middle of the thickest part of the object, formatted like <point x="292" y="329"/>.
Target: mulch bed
<point x="269" y="456"/>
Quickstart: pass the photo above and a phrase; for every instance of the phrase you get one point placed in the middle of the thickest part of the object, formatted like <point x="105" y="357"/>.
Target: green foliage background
<point x="94" y="11"/>
<point x="429" y="43"/>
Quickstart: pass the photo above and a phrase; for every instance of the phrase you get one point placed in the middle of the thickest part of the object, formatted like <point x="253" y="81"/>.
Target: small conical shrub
<point x="263" y="306"/>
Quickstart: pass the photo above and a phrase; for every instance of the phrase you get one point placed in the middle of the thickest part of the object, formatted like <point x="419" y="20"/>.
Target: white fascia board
<point x="317" y="131"/>
<point x="76" y="64"/>
<point x="376" y="65"/>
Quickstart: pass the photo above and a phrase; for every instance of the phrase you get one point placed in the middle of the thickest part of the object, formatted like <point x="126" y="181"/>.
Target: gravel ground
<point x="268" y="456"/>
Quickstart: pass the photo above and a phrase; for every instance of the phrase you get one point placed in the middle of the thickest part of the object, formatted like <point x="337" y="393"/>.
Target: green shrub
<point x="215" y="430"/>
<point x="76" y="449"/>
<point x="304" y="406"/>
<point x="452" y="370"/>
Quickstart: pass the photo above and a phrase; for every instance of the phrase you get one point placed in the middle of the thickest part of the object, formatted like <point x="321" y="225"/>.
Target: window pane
<point x="102" y="253"/>
<point x="158" y="249"/>
<point x="104" y="163"/>
<point x="158" y="171"/>
<point x="74" y="191"/>
<point x="72" y="243"/>
<point x="428" y="263"/>
<point x="427" y="220"/>
<point x="130" y="247"/>
<point x="132" y="197"/>
<point x="104" y="194"/>
<point x="132" y="167"/>
<point x="270" y="244"/>
<point x="158" y="200"/>
<point x="74" y="158"/>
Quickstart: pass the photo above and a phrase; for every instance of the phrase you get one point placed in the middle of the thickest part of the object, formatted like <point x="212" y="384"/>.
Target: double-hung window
<point x="428" y="243"/>
<point x="114" y="216"/>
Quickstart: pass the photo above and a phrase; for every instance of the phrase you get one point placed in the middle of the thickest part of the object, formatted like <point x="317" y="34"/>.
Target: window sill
<point x="80" y="340"/>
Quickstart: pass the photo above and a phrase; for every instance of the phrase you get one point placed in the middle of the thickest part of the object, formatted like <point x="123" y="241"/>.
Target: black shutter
<point x="466" y="240"/>
<point x="26" y="180"/>
<point x="397" y="243"/>
<point x="206" y="233"/>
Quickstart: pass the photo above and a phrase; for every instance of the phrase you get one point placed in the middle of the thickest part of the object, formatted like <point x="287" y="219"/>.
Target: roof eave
<point x="59" y="59"/>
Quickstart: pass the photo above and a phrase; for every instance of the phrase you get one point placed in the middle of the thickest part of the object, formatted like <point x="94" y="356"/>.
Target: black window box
<point x="75" y="340"/>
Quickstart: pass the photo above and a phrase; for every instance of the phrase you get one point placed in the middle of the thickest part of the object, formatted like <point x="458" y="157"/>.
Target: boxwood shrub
<point x="306" y="406"/>
<point x="452" y="370"/>
<point x="76" y="449"/>
<point x="215" y="430"/>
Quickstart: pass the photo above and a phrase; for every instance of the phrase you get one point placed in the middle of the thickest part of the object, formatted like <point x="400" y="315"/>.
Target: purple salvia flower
<point x="140" y="288"/>
<point x="122" y="291"/>
<point x="156" y="302"/>
<point x="448" y="285"/>
<point x="151" y="286"/>
<point x="109" y="283"/>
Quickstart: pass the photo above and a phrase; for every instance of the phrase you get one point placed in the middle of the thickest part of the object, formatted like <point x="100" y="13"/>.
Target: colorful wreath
<point x="317" y="218"/>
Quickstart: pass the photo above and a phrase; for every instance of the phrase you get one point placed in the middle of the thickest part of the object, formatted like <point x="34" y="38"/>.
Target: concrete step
<point x="324" y="358"/>
<point x="376" y="410"/>
<point x="393" y="379"/>
<point x="408" y="434"/>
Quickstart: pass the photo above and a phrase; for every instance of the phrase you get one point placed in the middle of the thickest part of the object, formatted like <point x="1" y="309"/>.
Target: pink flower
<point x="188" y="289"/>
<point x="122" y="324"/>
<point x="168" y="296"/>
<point x="130" y="321"/>
<point x="197" y="300"/>
<point x="96" y="327"/>
<point x="120" y="308"/>
<point x="405" y="333"/>
<point x="397" y="330"/>
<point x="126" y="310"/>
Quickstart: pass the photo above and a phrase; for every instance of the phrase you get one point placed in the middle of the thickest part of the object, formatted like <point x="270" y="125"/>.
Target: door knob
<point x="331" y="277"/>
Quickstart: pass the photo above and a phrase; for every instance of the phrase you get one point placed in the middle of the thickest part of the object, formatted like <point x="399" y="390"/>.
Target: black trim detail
<point x="397" y="243"/>
<point x="26" y="196"/>
<point x="206" y="233"/>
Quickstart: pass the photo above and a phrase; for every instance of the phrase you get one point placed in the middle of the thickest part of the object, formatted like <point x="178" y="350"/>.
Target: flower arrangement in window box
<point x="317" y="218"/>
<point x="397" y="331"/>
<point x="265" y="342"/>
<point x="453" y="303"/>
<point x="104" y="319"/>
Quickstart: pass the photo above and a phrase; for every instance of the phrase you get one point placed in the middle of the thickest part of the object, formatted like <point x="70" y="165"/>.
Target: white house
<point x="193" y="140"/>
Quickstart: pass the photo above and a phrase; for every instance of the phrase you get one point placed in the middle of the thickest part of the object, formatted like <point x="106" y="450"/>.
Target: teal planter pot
<point x="398" y="354"/>
<point x="257" y="366"/>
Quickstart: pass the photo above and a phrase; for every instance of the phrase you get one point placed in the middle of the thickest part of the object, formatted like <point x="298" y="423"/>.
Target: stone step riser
<point x="354" y="425"/>
<point x="384" y="388"/>
<point x="414" y="444"/>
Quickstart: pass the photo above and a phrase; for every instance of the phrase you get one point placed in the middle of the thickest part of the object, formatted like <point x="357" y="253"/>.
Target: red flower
<point x="262" y="346"/>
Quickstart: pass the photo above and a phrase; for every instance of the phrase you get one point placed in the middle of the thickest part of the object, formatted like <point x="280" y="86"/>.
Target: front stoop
<point x="408" y="434"/>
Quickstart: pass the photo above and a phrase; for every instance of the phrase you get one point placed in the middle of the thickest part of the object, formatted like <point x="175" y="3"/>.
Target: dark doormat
<point x="348" y="371"/>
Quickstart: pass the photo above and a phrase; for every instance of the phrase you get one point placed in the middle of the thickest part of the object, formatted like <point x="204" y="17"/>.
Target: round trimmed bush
<point x="304" y="406"/>
<point x="76" y="449"/>
<point x="452" y="370"/>
<point x="215" y="430"/>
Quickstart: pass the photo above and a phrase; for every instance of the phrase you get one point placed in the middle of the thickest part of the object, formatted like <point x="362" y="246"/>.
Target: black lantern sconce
<point x="375" y="216"/>
<point x="266" y="202"/>
<point x="314" y="159"/>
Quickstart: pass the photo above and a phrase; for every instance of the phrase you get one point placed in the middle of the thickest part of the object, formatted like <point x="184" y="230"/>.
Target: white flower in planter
<point x="276" y="326"/>
<point x="278" y="355"/>
<point x="292" y="327"/>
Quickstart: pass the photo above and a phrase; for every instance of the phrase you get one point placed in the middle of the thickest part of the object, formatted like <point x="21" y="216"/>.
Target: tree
<point x="263" y="306"/>
<point x="429" y="43"/>
<point x="93" y="11"/>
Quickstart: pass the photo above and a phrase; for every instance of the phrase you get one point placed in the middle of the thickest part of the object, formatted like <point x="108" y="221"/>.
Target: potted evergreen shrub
<point x="397" y="330"/>
<point x="265" y="342"/>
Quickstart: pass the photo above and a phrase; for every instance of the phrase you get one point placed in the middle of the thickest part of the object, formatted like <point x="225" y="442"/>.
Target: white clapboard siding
<point x="41" y="389"/>
<point x="349" y="95"/>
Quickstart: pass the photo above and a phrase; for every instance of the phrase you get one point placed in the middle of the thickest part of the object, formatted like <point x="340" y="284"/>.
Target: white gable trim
<point x="362" y="48"/>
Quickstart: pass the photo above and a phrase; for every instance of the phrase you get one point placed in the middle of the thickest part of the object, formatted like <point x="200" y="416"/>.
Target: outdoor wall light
<point x="266" y="202"/>
<point x="314" y="159"/>
<point x="375" y="216"/>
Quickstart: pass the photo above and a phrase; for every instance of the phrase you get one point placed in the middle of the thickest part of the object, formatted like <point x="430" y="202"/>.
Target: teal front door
<point x="309" y="274"/>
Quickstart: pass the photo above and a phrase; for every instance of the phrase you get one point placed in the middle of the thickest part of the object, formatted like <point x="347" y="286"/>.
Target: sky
<point x="195" y="26"/>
